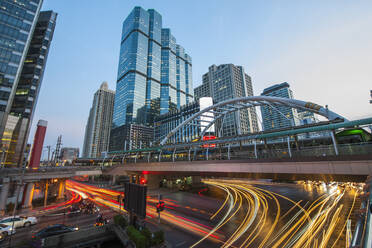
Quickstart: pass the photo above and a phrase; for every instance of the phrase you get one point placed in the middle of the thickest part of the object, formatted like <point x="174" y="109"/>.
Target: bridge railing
<point x="236" y="153"/>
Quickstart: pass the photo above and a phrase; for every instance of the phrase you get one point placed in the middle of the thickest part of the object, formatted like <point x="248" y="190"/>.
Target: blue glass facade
<point x="281" y="116"/>
<point x="154" y="74"/>
<point x="17" y="19"/>
<point x="20" y="77"/>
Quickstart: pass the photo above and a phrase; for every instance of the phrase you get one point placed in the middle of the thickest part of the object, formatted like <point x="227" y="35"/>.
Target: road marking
<point x="182" y="243"/>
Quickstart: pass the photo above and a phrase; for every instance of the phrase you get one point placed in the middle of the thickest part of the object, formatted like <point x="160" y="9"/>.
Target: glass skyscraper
<point x="25" y="36"/>
<point x="281" y="116"/>
<point x="154" y="74"/>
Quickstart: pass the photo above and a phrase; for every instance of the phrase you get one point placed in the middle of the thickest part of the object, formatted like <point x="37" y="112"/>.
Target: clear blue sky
<point x="322" y="48"/>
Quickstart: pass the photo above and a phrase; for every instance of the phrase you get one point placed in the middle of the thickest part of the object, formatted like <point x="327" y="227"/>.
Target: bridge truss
<point x="207" y="117"/>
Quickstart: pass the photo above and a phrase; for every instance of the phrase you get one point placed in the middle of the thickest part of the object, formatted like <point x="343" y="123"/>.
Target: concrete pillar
<point x="29" y="190"/>
<point x="196" y="179"/>
<point x="61" y="189"/>
<point x="113" y="180"/>
<point x="153" y="181"/>
<point x="46" y="193"/>
<point x="4" y="195"/>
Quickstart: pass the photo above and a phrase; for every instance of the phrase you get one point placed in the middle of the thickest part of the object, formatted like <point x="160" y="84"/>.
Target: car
<point x="19" y="221"/>
<point x="6" y="230"/>
<point x="53" y="230"/>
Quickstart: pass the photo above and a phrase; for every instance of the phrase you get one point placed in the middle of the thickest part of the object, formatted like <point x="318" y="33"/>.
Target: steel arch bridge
<point x="218" y="111"/>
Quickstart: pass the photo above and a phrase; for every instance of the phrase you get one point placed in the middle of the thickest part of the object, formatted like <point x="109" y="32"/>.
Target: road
<point x="23" y="235"/>
<point x="233" y="213"/>
<point x="251" y="214"/>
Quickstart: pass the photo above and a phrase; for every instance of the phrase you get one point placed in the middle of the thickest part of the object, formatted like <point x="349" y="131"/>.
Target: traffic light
<point x="160" y="206"/>
<point x="143" y="180"/>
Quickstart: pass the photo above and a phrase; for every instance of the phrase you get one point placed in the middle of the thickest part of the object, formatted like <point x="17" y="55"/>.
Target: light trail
<point x="251" y="216"/>
<point x="108" y="198"/>
<point x="313" y="225"/>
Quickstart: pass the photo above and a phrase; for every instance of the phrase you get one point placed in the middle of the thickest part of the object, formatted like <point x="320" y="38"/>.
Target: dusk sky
<point x="323" y="49"/>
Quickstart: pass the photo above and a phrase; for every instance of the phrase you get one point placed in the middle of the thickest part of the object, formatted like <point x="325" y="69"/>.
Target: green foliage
<point x="146" y="232"/>
<point x="158" y="238"/>
<point x="120" y="220"/>
<point x="145" y="238"/>
<point x="137" y="237"/>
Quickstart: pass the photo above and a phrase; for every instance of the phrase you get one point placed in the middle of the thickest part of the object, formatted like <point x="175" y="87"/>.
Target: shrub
<point x="137" y="237"/>
<point x="158" y="237"/>
<point x="120" y="220"/>
<point x="146" y="232"/>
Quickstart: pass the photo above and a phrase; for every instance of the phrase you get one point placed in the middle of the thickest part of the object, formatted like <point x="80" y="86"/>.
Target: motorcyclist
<point x="100" y="219"/>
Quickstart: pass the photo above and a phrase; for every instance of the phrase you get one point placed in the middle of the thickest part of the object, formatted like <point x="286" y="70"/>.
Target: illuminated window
<point x="22" y="92"/>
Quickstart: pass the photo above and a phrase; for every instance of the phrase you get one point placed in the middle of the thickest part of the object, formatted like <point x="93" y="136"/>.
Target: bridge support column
<point x="113" y="180"/>
<point x="289" y="147"/>
<point x="174" y="152"/>
<point x="196" y="179"/>
<point x="29" y="190"/>
<point x="46" y="193"/>
<point x="255" y="149"/>
<point x="334" y="142"/>
<point x="228" y="152"/>
<point x="4" y="195"/>
<point x="61" y="189"/>
<point x="153" y="181"/>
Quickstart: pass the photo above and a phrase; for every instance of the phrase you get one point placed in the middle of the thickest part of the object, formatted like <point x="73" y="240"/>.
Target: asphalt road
<point x="233" y="214"/>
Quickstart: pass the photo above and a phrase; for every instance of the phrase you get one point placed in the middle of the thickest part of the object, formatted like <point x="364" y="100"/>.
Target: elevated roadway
<point x="327" y="169"/>
<point x="42" y="173"/>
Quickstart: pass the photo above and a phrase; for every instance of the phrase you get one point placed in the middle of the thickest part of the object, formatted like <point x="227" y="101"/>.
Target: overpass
<point x="25" y="179"/>
<point x="343" y="168"/>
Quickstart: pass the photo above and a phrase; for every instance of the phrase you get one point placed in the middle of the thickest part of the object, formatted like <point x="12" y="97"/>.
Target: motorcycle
<point x="101" y="222"/>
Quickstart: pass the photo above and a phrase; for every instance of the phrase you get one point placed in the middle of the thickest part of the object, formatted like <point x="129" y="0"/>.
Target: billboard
<point x="205" y="102"/>
<point x="135" y="199"/>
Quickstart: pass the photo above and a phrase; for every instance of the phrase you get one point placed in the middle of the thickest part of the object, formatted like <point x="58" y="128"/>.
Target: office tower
<point x="165" y="123"/>
<point x="278" y="116"/>
<point x="97" y="130"/>
<point x="68" y="154"/>
<point x="228" y="81"/>
<point x="154" y="74"/>
<point x="305" y="117"/>
<point x="25" y="36"/>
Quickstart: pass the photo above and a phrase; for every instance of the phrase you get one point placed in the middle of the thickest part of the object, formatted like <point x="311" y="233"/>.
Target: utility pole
<point x="48" y="154"/>
<point x="57" y="151"/>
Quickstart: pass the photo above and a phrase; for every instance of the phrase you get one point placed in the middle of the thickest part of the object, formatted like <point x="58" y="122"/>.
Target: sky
<point x="323" y="49"/>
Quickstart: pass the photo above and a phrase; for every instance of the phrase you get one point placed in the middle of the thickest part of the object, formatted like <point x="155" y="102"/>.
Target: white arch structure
<point x="220" y="109"/>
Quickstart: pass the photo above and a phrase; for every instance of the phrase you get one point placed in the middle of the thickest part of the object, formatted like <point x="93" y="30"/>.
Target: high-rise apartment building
<point x="228" y="81"/>
<point x="25" y="36"/>
<point x="97" y="130"/>
<point x="154" y="74"/>
<point x="279" y="116"/>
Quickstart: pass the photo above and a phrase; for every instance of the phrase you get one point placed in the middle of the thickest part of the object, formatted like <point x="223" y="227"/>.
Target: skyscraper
<point x="225" y="82"/>
<point x="281" y="116"/>
<point x="154" y="74"/>
<point x="25" y="36"/>
<point x="97" y="130"/>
